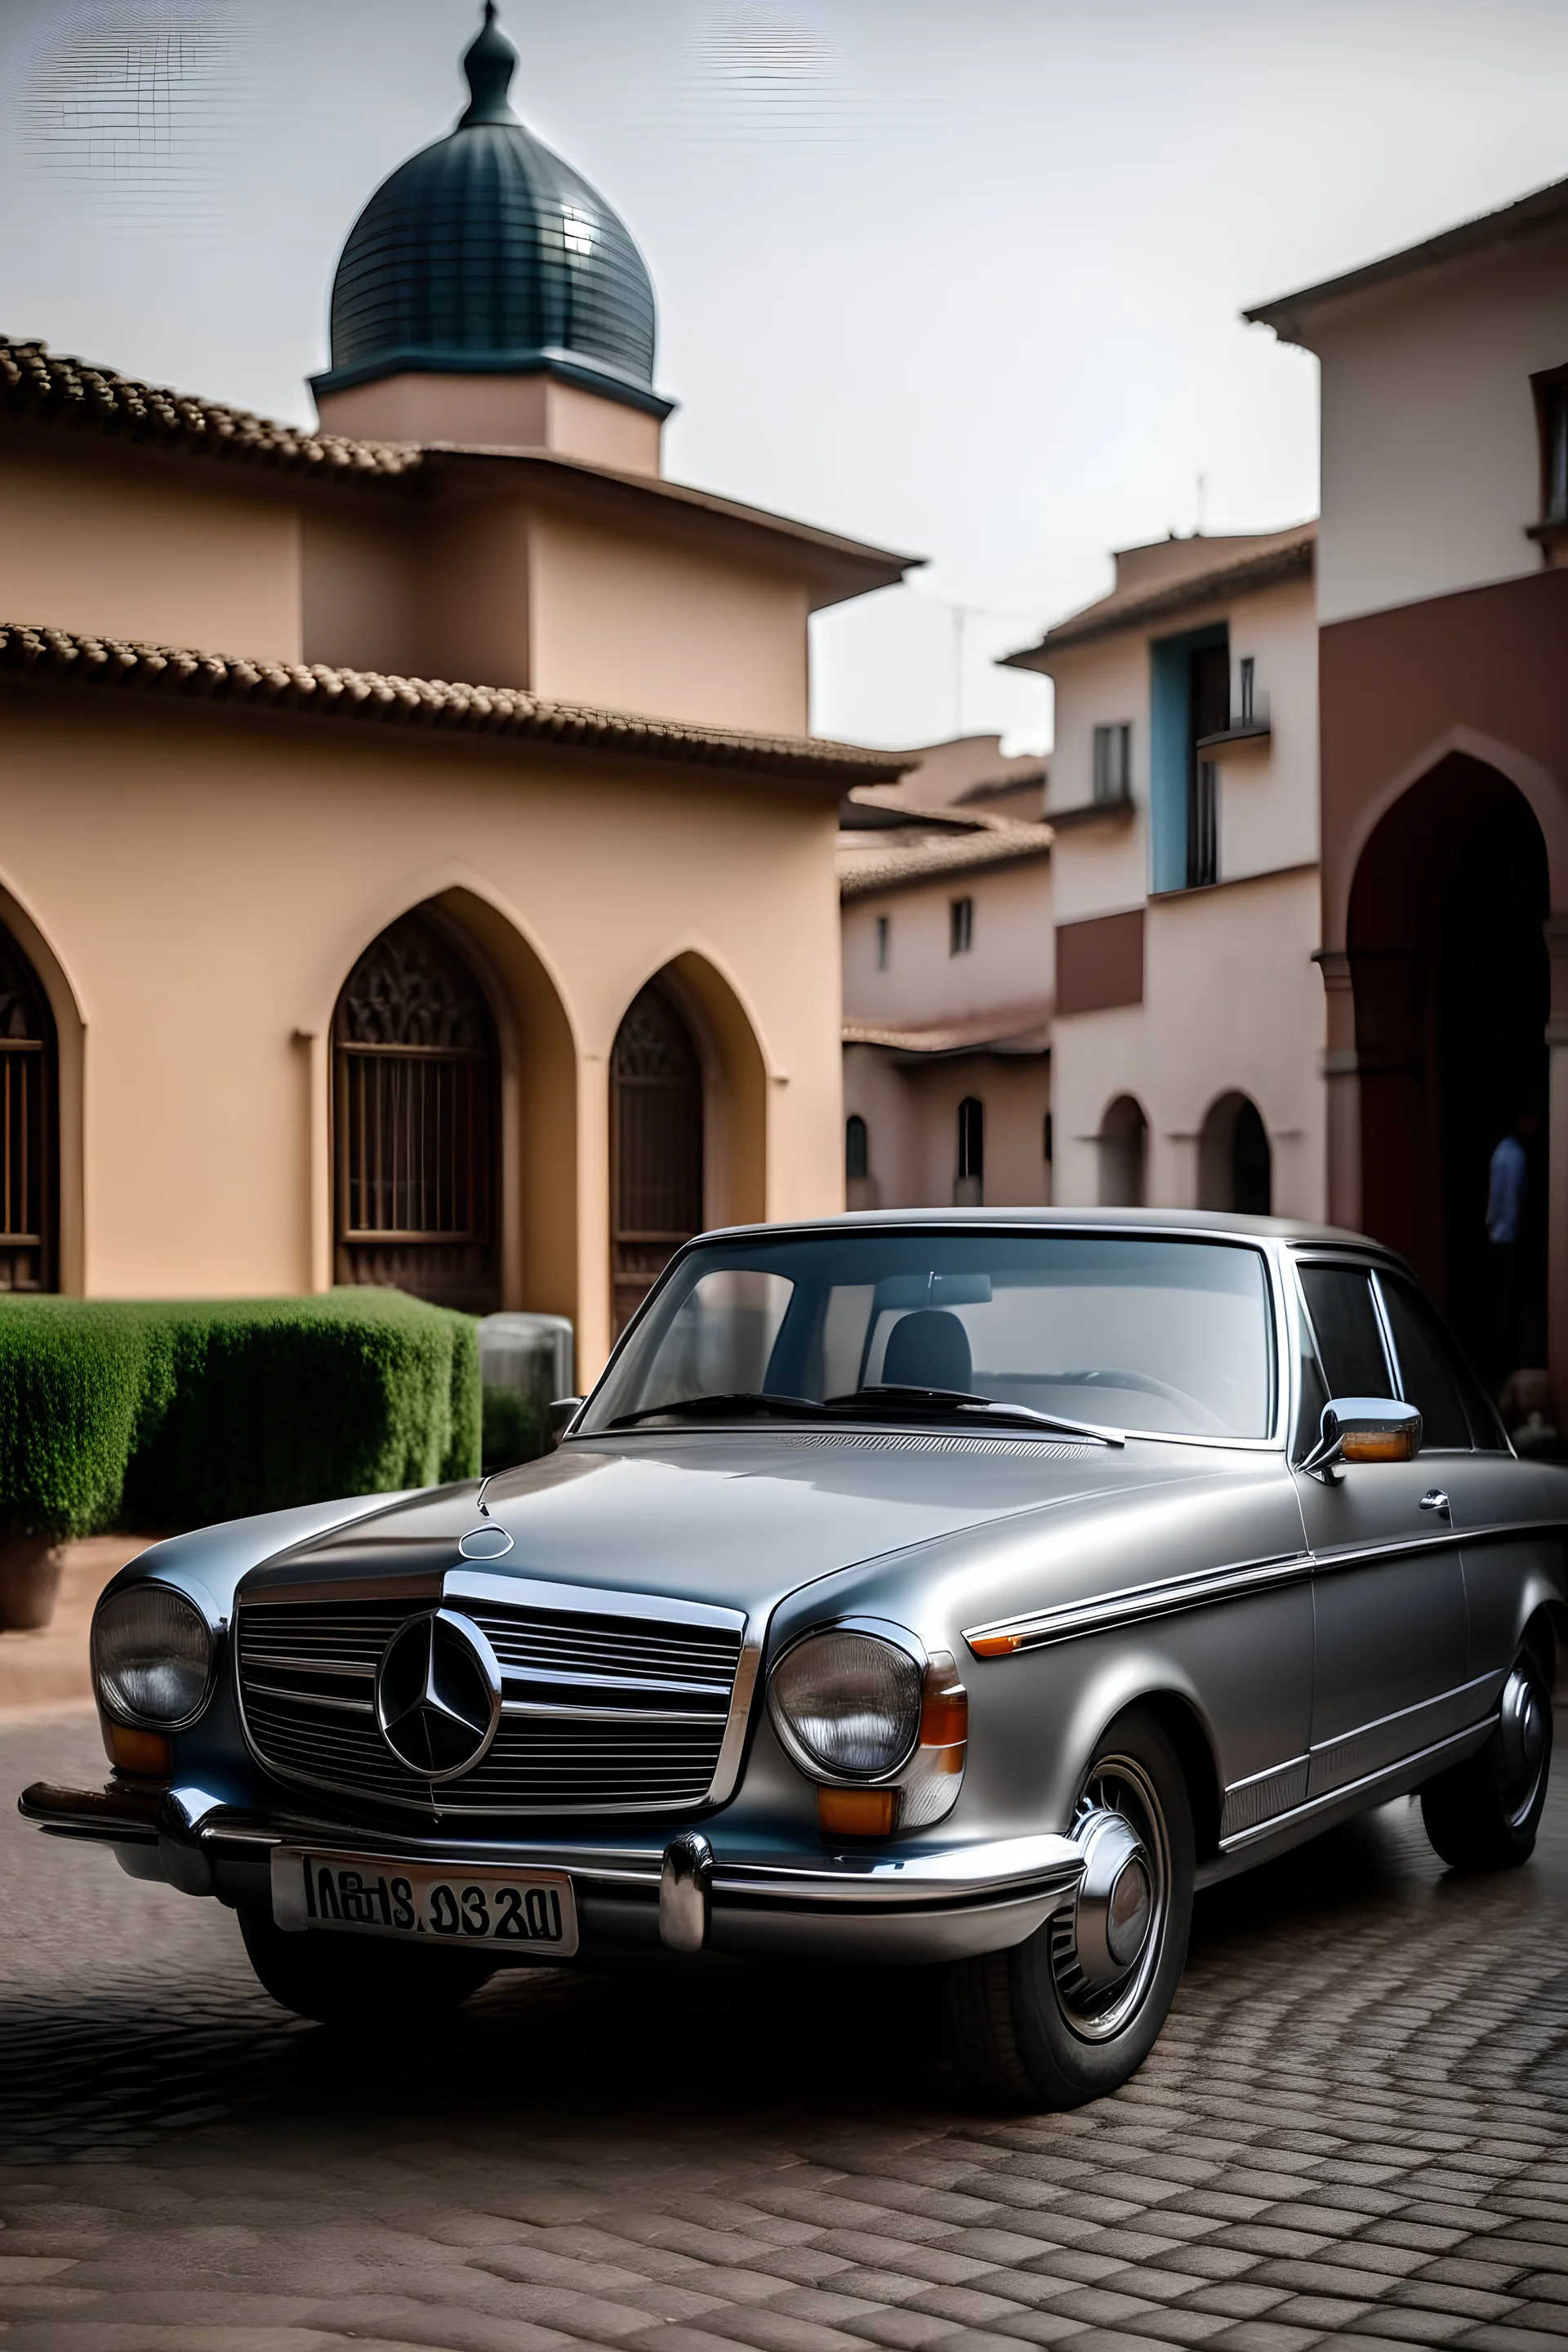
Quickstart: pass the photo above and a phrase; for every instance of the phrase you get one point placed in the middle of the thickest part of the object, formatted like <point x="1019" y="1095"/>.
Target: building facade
<point x="1188" y="1021"/>
<point x="945" y="880"/>
<point x="1444" y="913"/>
<point x="321" y="965"/>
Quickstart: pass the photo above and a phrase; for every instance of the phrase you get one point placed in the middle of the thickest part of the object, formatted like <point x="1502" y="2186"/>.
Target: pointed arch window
<point x="416" y="1127"/>
<point x="656" y="1146"/>
<point x="28" y="1129"/>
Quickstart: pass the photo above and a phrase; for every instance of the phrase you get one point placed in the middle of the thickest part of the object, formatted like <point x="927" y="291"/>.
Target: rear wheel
<point x="1483" y="1814"/>
<point x="1076" y="2009"/>
<point x="357" y="1981"/>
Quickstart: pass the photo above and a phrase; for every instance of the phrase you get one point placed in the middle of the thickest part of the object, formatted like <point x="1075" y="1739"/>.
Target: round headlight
<point x="152" y="1655"/>
<point x="846" y="1704"/>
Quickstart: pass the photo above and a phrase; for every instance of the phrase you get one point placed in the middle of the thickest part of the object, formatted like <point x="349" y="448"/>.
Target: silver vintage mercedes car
<point x="959" y="1588"/>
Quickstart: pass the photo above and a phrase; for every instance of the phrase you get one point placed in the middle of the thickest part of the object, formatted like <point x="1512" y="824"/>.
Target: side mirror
<point x="558" y="1414"/>
<point x="1364" y="1429"/>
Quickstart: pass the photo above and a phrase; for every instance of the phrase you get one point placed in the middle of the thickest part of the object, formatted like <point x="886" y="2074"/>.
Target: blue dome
<point x="487" y="254"/>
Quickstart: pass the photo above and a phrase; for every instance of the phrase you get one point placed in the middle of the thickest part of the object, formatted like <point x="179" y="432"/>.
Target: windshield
<point x="1121" y="1330"/>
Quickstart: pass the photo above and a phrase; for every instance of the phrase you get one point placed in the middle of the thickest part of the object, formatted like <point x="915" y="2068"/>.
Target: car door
<point x="1390" y="1632"/>
<point x="1499" y="1502"/>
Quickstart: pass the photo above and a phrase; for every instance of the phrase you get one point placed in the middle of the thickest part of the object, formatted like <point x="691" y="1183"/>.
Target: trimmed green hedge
<point x="151" y="1416"/>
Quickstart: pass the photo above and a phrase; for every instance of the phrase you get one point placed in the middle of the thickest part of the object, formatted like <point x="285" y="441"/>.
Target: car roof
<point x="1133" y="1221"/>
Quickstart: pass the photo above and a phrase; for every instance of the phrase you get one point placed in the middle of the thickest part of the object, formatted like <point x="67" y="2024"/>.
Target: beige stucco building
<point x="948" y="967"/>
<point x="1188" y="1021"/>
<point x="318" y="966"/>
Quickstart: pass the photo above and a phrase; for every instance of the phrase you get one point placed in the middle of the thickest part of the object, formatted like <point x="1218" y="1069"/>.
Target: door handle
<point x="1434" y="1500"/>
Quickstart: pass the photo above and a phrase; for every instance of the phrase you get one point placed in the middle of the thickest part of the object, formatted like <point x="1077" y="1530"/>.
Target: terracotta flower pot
<point x="30" y="1569"/>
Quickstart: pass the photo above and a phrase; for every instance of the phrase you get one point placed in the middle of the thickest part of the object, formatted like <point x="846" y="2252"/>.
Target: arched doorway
<point x="29" y="1145"/>
<point x="656" y="1146"/>
<point x="1236" y="1166"/>
<point x="414" y="1129"/>
<point x="1449" y="967"/>
<point x="1124" y="1154"/>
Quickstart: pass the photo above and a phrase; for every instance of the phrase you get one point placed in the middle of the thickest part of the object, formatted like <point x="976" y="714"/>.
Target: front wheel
<point x="357" y="1982"/>
<point x="1483" y="1814"/>
<point x="1075" y="2010"/>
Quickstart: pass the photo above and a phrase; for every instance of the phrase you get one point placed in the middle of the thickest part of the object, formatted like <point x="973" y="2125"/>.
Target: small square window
<point x="882" y="928"/>
<point x="1113" y="762"/>
<point x="960" y="926"/>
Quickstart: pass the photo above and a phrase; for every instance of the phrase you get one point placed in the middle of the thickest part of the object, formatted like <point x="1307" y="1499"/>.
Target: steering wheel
<point x="1144" y="1384"/>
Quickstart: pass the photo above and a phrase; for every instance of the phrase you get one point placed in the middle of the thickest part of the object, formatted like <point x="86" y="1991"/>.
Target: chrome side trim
<point x="1262" y="1795"/>
<point x="1396" y="1777"/>
<point x="1165" y="1598"/>
<point x="742" y="1691"/>
<point x="1333" y="1757"/>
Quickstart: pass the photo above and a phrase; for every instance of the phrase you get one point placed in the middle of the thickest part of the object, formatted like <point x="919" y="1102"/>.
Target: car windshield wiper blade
<point x="739" y="1401"/>
<point x="870" y="1400"/>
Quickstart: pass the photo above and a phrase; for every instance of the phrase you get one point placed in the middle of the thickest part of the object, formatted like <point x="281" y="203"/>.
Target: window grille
<point x="28" y="1143"/>
<point x="1203" y="825"/>
<point x="656" y="1146"/>
<point x="416" y="1128"/>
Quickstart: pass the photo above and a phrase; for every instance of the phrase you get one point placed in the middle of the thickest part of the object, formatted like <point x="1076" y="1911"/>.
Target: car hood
<point x="727" y="1519"/>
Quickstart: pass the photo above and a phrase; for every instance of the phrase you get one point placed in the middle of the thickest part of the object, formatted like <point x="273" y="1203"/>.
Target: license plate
<point x="357" y="1893"/>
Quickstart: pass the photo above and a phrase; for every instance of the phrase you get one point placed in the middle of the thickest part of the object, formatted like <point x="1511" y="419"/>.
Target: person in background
<point x="1508" y="1196"/>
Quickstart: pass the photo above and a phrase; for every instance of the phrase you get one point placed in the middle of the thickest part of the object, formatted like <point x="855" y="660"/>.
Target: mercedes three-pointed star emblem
<point x="437" y="1695"/>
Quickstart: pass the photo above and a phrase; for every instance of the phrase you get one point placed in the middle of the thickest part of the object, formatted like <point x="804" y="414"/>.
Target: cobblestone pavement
<point x="1352" y="2133"/>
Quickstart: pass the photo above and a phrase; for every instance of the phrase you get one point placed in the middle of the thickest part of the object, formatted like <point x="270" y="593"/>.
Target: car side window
<point x="1349" y="1339"/>
<point x="1435" y="1376"/>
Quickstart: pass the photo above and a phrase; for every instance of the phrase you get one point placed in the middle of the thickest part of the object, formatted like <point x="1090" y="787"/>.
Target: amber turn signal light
<point x="150" y="1754"/>
<point x="856" y="1812"/>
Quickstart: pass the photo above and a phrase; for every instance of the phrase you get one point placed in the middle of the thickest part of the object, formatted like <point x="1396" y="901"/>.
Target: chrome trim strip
<point x="313" y="1699"/>
<point x="742" y="1691"/>
<point x="520" y="1591"/>
<point x="1164" y="1599"/>
<point x="1262" y="1796"/>
<point x="1421" y="1706"/>
<point x="1002" y="1868"/>
<point x="317" y="1666"/>
<point x="415" y="1587"/>
<point x="1251" y="1780"/>
<point x="610" y="1714"/>
<point x="1391" y="1773"/>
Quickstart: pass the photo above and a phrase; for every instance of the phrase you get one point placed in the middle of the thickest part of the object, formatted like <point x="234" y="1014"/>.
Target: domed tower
<point x="488" y="295"/>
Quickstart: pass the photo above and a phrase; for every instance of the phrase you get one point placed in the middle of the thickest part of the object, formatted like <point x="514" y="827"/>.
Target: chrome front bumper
<point x="698" y="1893"/>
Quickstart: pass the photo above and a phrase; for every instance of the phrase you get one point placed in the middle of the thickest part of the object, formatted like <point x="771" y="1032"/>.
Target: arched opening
<point x="415" y="1125"/>
<point x="969" y="1186"/>
<point x="857" y="1150"/>
<point x="29" y="1127"/>
<point x="656" y="1145"/>
<point x="1236" y="1166"/>
<point x="1123" y="1143"/>
<point x="1451" y="978"/>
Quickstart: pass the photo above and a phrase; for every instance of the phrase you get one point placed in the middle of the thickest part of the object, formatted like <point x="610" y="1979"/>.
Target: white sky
<point x="960" y="276"/>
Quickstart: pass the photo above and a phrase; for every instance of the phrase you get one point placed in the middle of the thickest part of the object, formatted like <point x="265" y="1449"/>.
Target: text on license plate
<point x="529" y="1909"/>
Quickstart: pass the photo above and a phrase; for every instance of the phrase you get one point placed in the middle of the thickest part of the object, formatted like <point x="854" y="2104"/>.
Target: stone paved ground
<point x="1352" y="2133"/>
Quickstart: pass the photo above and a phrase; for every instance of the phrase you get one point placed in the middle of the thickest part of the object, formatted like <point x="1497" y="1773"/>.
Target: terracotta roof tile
<point x="1242" y="566"/>
<point x="58" y="657"/>
<point x="878" y="865"/>
<point x="53" y="389"/>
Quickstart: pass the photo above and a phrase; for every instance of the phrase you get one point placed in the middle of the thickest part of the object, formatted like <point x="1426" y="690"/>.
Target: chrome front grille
<point x="601" y="1713"/>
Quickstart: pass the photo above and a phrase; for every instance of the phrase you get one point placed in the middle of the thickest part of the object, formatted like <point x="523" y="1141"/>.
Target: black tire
<point x="357" y="1983"/>
<point x="1483" y="1814"/>
<point x="1030" y="2028"/>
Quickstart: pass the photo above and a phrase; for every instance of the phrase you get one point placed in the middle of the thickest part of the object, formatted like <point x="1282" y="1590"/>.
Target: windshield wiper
<point x="739" y="1402"/>
<point x="869" y="1400"/>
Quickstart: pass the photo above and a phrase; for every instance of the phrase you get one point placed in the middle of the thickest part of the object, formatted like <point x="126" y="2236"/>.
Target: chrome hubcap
<point x="1522" y="1733"/>
<point x="1105" y="1950"/>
